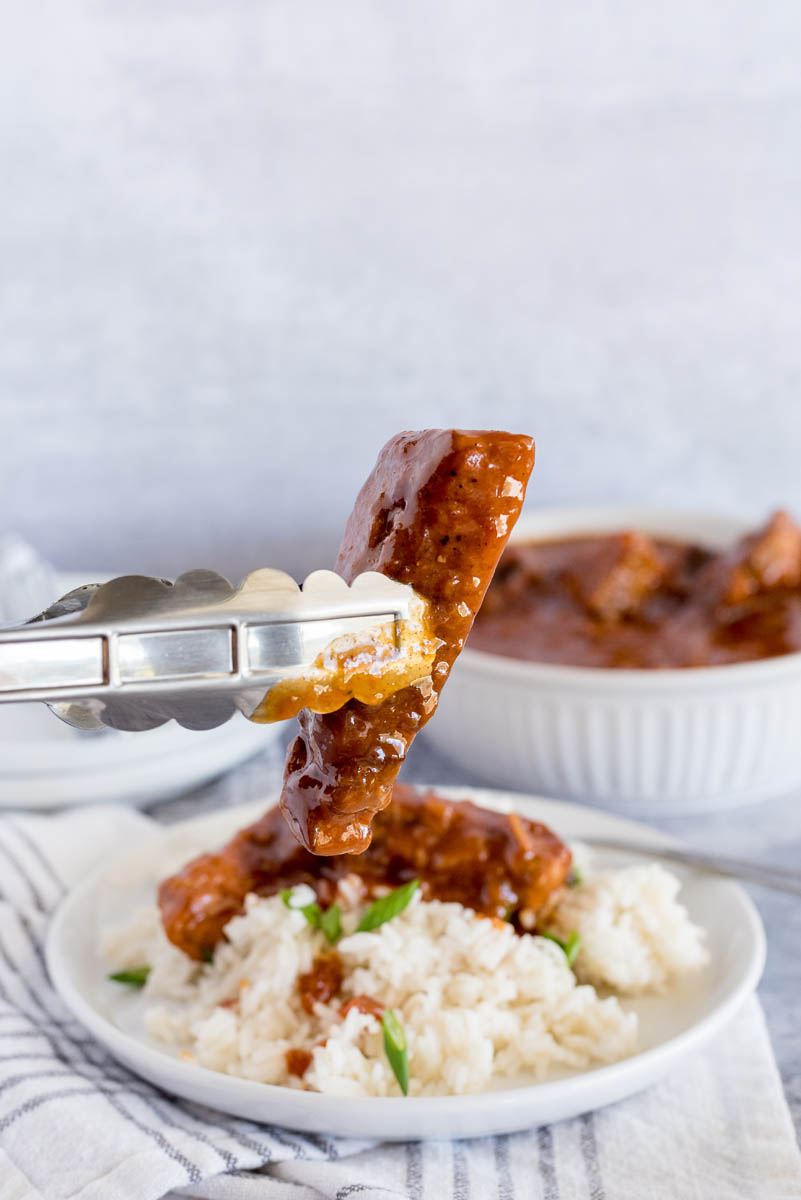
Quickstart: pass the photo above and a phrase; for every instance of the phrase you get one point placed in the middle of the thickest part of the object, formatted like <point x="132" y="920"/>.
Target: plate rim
<point x="591" y="1080"/>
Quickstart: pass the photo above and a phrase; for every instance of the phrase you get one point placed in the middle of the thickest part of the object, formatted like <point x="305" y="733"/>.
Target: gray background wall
<point x="242" y="243"/>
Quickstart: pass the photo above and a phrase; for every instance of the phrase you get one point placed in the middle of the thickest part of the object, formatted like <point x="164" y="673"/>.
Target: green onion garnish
<point x="331" y="923"/>
<point x="387" y="907"/>
<point x="207" y="954"/>
<point x="570" y="947"/>
<point x="395" y="1048"/>
<point x="575" y="878"/>
<point x="328" y="920"/>
<point x="135" y="977"/>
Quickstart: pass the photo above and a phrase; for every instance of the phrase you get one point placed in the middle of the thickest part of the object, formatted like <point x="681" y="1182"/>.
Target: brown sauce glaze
<point x="298" y="1061"/>
<point x="322" y="982"/>
<point x="627" y="600"/>
<point x="502" y="865"/>
<point x="435" y="513"/>
<point x="363" y="1004"/>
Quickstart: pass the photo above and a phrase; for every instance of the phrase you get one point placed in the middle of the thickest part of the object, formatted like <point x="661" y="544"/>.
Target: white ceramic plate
<point x="671" y="1026"/>
<point x="45" y="763"/>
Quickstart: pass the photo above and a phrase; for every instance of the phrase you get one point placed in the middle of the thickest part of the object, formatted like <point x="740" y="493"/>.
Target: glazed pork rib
<point x="435" y="513"/>
<point x="499" y="864"/>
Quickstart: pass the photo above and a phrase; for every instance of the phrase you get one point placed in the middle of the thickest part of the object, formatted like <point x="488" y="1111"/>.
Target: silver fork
<point x="780" y="879"/>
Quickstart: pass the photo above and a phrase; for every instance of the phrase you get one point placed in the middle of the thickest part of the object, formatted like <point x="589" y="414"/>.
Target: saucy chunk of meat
<point x="499" y="864"/>
<point x="435" y="513"/>
<point x="765" y="561"/>
<point x="617" y="574"/>
<point x="364" y="1004"/>
<point x="322" y="982"/>
<point x="298" y="1061"/>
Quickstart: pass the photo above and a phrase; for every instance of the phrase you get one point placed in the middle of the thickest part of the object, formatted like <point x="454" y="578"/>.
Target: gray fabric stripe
<point x="162" y="1108"/>
<point x="291" y="1143"/>
<point x="22" y="1033"/>
<point x="83" y="1057"/>
<point x="110" y="1070"/>
<point x="355" y="1189"/>
<point x="15" y="1080"/>
<point x="38" y="854"/>
<point x="461" y="1178"/>
<point x="36" y="895"/>
<point x="547" y="1164"/>
<point x="101" y="1086"/>
<point x="325" y="1144"/>
<point x="46" y="1030"/>
<point x="38" y="1101"/>
<point x="58" y="1028"/>
<point x="191" y="1169"/>
<point x="69" y="1071"/>
<point x="503" y="1168"/>
<point x="242" y="1131"/>
<point x="25" y="1057"/>
<point x="589" y="1152"/>
<point x="234" y="1128"/>
<point x="32" y="937"/>
<point x="414" y="1170"/>
<point x="81" y="1064"/>
<point x="193" y="1173"/>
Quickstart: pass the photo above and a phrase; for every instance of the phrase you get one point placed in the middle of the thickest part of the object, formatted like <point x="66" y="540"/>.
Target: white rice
<point x="479" y="1004"/>
<point x="635" y="935"/>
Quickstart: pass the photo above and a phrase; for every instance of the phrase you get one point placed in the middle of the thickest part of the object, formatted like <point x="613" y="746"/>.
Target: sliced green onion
<point x="207" y="954"/>
<point x="135" y="977"/>
<point x="331" y="923"/>
<point x="387" y="907"/>
<point x="570" y="947"/>
<point x="328" y="920"/>
<point x="575" y="878"/>
<point x="395" y="1049"/>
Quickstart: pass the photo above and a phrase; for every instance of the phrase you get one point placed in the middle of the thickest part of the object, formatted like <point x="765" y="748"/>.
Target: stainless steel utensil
<point x="780" y="879"/>
<point x="138" y="651"/>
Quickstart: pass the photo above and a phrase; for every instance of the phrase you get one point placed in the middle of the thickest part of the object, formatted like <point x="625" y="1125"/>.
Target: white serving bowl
<point x="667" y="742"/>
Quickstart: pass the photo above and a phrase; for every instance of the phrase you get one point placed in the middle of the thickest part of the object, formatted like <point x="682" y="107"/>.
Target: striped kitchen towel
<point x="76" y="1125"/>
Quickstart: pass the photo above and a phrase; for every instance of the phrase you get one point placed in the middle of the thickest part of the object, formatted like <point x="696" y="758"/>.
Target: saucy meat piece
<point x="589" y="601"/>
<point x="617" y="574"/>
<point x="322" y="982"/>
<point x="298" y="1061"/>
<point x="499" y="864"/>
<point x="435" y="513"/>
<point x="765" y="561"/>
<point x="363" y="1004"/>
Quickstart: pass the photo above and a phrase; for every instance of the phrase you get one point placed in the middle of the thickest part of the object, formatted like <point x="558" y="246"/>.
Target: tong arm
<point x="141" y="639"/>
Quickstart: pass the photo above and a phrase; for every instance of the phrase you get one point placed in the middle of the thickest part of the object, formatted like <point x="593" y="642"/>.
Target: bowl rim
<point x="564" y="520"/>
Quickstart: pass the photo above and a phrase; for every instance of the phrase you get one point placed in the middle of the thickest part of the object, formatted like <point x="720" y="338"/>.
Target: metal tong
<point x="138" y="651"/>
